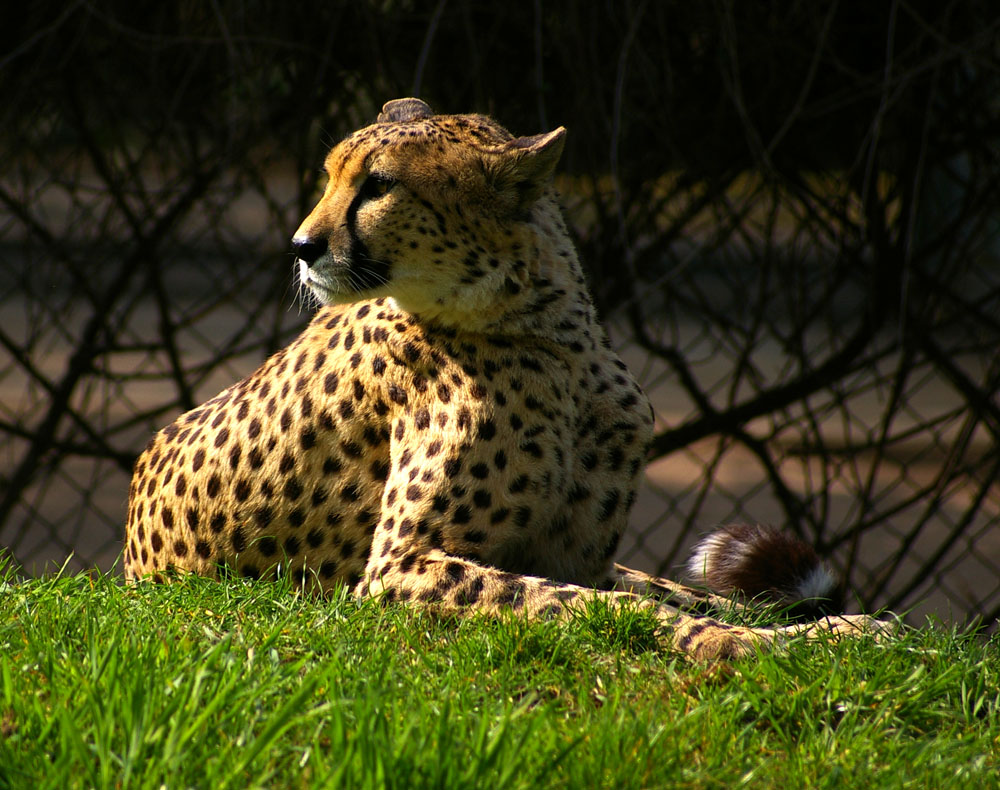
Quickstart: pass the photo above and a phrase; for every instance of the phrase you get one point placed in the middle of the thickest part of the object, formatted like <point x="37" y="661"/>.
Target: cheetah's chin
<point x="324" y="291"/>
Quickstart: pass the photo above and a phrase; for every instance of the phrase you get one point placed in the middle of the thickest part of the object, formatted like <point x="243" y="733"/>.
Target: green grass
<point x="206" y="684"/>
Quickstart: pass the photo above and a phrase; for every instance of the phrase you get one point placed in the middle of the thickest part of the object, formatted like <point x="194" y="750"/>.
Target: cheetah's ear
<point x="399" y="110"/>
<point x="524" y="166"/>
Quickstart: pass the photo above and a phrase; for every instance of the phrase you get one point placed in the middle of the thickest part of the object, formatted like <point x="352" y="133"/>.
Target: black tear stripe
<point x="365" y="272"/>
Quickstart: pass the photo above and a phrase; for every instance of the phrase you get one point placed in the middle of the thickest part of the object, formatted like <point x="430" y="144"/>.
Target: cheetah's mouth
<point x="325" y="288"/>
<point x="333" y="281"/>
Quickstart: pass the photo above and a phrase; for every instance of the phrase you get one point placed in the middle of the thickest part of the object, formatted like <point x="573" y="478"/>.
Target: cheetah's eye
<point x="376" y="186"/>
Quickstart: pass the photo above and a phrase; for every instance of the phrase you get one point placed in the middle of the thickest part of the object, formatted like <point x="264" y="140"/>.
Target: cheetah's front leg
<point x="402" y="571"/>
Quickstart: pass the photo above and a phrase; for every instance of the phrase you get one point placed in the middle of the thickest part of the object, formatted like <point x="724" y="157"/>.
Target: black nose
<point x="308" y="249"/>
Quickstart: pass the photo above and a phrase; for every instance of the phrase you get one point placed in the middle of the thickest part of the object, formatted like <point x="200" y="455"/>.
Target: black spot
<point x="609" y="504"/>
<point x="397" y="394"/>
<point x="406" y="563"/>
<point x="512" y="594"/>
<point x="351" y="449"/>
<point x="533" y="449"/>
<point x="487" y="430"/>
<point x="315" y="538"/>
<point x="697" y="628"/>
<point x="455" y="572"/>
<point x="241" y="490"/>
<point x="350" y="493"/>
<point x="479" y="471"/>
<point x="307" y="439"/>
<point x="615" y="459"/>
<point x="367" y="519"/>
<point x="263" y="516"/>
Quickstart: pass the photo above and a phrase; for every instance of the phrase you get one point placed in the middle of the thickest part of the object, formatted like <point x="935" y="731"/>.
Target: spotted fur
<point x="451" y="429"/>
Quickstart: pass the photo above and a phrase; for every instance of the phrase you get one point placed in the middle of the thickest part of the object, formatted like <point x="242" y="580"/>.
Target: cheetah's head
<point x="439" y="212"/>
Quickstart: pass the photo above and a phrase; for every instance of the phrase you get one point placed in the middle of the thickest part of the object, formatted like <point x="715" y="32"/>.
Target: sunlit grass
<point x="207" y="684"/>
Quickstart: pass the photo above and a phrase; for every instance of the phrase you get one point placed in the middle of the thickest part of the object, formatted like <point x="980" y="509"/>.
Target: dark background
<point x="788" y="211"/>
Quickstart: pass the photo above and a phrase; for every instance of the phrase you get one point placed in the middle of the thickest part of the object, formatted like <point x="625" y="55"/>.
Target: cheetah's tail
<point x="760" y="562"/>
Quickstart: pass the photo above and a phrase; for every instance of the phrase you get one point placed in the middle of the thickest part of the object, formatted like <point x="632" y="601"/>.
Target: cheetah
<point x="452" y="428"/>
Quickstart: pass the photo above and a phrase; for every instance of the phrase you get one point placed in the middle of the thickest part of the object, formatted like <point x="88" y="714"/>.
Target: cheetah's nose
<point x="308" y="249"/>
